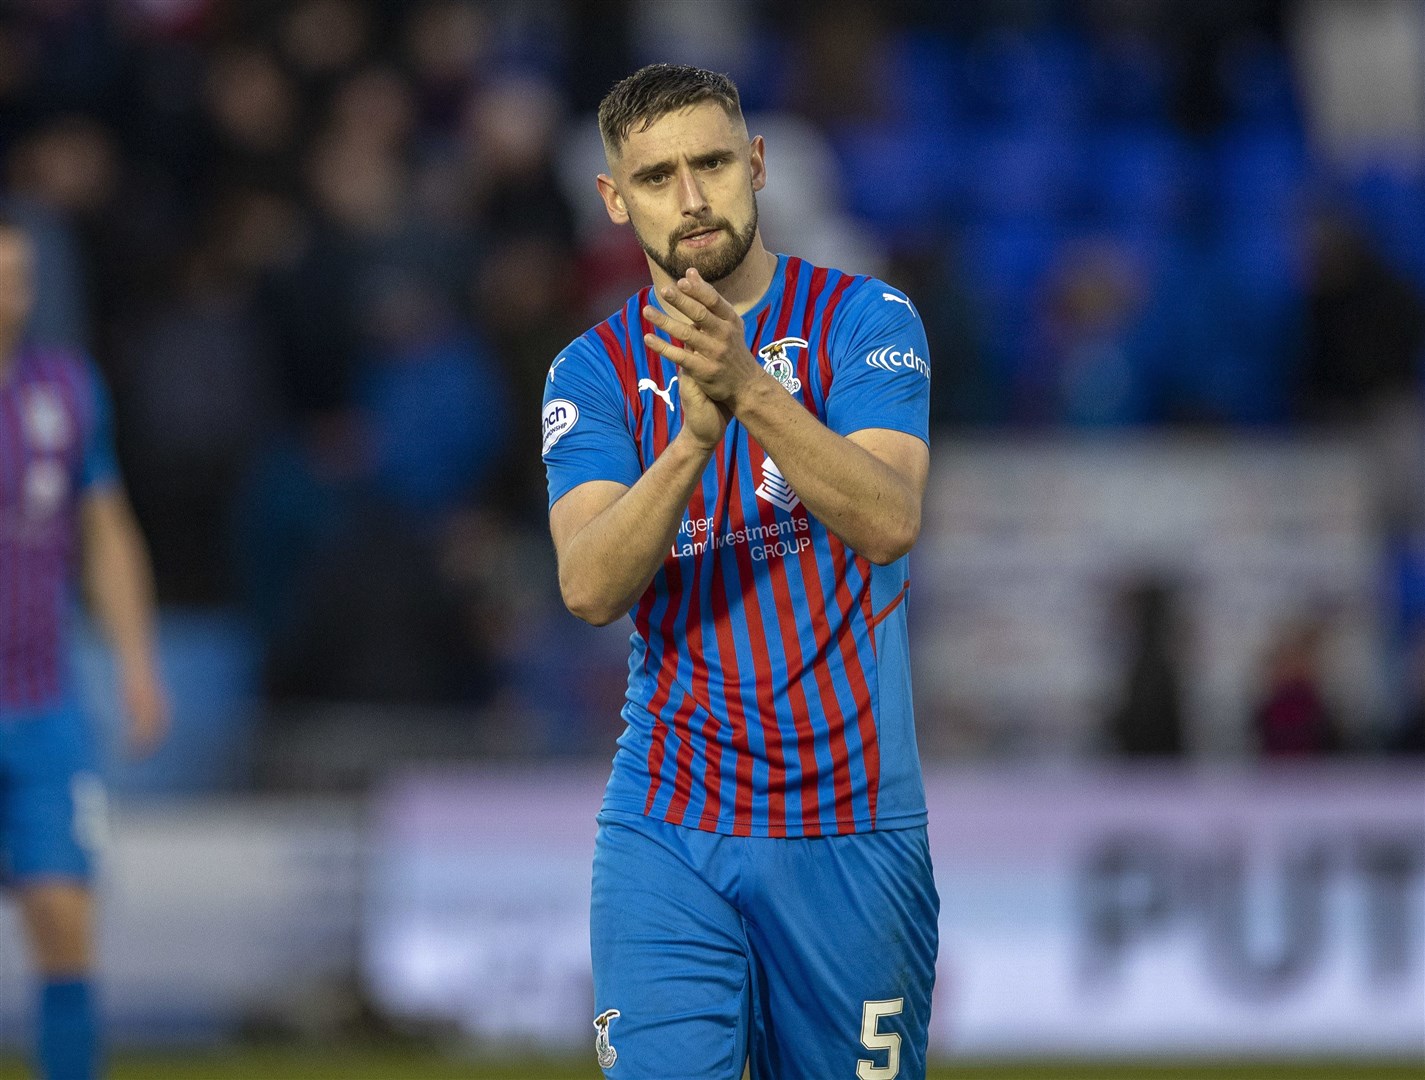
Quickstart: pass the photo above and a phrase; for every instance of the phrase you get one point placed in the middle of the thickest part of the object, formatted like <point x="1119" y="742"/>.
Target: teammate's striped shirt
<point x="55" y="443"/>
<point x="769" y="679"/>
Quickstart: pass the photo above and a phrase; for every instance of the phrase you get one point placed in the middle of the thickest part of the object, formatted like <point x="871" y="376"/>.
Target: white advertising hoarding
<point x="1029" y="549"/>
<point x="1251" y="912"/>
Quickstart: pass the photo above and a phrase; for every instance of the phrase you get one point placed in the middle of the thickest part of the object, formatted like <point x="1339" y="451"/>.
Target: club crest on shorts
<point x="779" y="365"/>
<point x="602" y="1046"/>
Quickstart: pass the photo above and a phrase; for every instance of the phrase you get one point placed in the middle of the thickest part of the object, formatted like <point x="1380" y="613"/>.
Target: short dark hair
<point x="654" y="91"/>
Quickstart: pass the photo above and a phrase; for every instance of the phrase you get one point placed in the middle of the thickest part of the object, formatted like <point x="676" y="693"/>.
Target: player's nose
<point x="691" y="193"/>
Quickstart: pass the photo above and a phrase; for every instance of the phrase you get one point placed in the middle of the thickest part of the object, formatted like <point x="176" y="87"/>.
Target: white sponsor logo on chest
<point x="775" y="489"/>
<point x="47" y="424"/>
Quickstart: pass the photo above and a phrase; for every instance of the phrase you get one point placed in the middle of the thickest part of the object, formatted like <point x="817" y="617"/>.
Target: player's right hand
<point x="704" y="420"/>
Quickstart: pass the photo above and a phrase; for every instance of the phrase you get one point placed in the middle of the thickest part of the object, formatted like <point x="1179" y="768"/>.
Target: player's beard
<point x="712" y="265"/>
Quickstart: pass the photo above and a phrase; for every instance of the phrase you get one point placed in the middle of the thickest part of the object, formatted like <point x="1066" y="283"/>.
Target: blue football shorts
<point x="810" y="959"/>
<point x="52" y="804"/>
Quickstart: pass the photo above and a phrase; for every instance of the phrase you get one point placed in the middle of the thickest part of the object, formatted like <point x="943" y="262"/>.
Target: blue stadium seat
<point x="1259" y="172"/>
<point x="1264" y="255"/>
<point x="1005" y="261"/>
<point x="899" y="178"/>
<point x="921" y="71"/>
<point x="1028" y="80"/>
<point x="1142" y="174"/>
<point x="1236" y="316"/>
<point x="1035" y="173"/>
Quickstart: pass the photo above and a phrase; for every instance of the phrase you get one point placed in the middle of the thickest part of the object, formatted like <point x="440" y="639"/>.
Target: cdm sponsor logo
<point x="891" y="358"/>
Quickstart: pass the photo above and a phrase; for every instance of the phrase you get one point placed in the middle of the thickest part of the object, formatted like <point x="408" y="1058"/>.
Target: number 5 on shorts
<point x="872" y="1038"/>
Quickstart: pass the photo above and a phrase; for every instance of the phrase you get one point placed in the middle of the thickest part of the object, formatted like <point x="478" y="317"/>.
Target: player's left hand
<point x="714" y="352"/>
<point x="146" y="707"/>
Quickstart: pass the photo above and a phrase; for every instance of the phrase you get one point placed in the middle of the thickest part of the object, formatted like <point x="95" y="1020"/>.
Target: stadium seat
<point x="1025" y="173"/>
<point x="1142" y="174"/>
<point x="1258" y="172"/>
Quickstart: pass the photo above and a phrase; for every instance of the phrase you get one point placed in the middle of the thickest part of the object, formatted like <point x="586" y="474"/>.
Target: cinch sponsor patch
<point x="559" y="417"/>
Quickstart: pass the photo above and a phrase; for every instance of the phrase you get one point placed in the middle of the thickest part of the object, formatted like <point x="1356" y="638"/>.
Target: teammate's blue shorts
<point x="813" y="959"/>
<point x="52" y="816"/>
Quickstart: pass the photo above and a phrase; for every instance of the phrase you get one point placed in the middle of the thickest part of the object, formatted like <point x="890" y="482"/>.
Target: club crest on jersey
<point x="559" y="417"/>
<point x="47" y="425"/>
<point x="775" y="489"/>
<point x="602" y="1046"/>
<point x="779" y="365"/>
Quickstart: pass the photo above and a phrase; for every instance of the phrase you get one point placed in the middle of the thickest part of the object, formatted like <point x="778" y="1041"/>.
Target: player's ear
<point x="759" y="163"/>
<point x="613" y="201"/>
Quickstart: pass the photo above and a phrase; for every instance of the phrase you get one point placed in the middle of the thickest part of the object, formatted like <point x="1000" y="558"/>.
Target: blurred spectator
<point x="1365" y="328"/>
<point x="434" y="405"/>
<point x="1408" y="737"/>
<point x="62" y="178"/>
<point x="1089" y="365"/>
<point x="1292" y="717"/>
<point x="446" y="49"/>
<point x="526" y="290"/>
<point x="1148" y="719"/>
<point x="376" y="622"/>
<point x="256" y="115"/>
<point x="509" y="133"/>
<point x="324" y="40"/>
<point x="363" y="235"/>
<point x="840" y="70"/>
<point x="525" y="294"/>
<point x="199" y="377"/>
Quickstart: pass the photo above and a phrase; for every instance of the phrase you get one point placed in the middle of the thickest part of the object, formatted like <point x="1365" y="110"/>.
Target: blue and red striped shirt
<point x="769" y="679"/>
<point x="55" y="444"/>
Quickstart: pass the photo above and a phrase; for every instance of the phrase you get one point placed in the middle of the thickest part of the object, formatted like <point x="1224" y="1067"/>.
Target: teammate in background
<point x="737" y="459"/>
<point x="60" y="505"/>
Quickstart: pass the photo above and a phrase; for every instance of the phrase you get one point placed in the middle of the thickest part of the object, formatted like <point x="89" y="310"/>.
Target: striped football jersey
<point x="54" y="444"/>
<point x="769" y="677"/>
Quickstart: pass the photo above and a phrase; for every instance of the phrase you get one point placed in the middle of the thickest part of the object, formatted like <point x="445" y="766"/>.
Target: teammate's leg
<point x="844" y="933"/>
<point x="669" y="954"/>
<point x="58" y="917"/>
<point x="54" y="809"/>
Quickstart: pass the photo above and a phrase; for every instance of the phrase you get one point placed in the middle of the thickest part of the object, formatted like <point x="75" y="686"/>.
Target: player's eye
<point x="655" y="179"/>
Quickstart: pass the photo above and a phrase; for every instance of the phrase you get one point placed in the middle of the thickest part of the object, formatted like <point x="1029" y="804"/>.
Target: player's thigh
<point x="669" y="954"/>
<point x="844" y="935"/>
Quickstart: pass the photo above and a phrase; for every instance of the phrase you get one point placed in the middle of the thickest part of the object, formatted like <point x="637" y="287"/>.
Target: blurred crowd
<point x="325" y="250"/>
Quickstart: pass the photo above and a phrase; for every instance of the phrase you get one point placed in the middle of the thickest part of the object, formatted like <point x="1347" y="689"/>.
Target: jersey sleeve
<point x="880" y="365"/>
<point x="99" y="466"/>
<point x="584" y="424"/>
